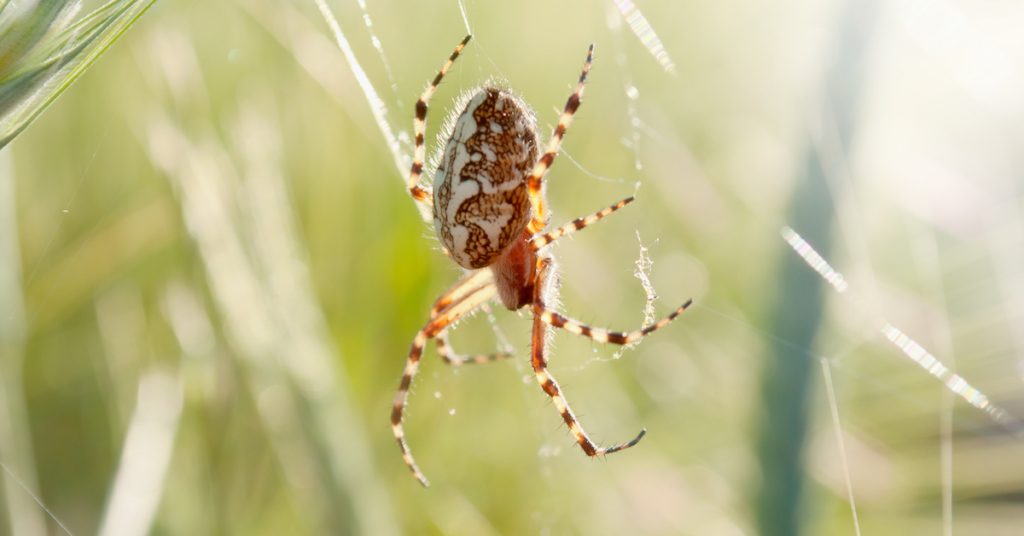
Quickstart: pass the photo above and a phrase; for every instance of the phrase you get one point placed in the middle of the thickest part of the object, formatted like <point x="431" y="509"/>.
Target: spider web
<point x="622" y="14"/>
<point x="872" y="336"/>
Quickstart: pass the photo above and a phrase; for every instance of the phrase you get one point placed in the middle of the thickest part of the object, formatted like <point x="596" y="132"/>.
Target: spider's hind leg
<point x="547" y="381"/>
<point x="463" y="298"/>
<point x="453" y="358"/>
<point x="603" y="335"/>
<point x="470" y="284"/>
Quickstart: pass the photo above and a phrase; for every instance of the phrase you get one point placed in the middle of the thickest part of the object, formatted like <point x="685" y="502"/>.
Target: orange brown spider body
<point x="481" y="199"/>
<point x="490" y="215"/>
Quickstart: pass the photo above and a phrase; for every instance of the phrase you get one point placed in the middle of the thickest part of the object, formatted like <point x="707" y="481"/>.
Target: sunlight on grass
<point x="45" y="46"/>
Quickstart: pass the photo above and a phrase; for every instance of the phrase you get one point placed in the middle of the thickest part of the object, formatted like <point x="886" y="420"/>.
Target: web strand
<point x="377" y="106"/>
<point x="375" y="41"/>
<point x="38" y="501"/>
<point x="645" y="33"/>
<point x="908" y="346"/>
<point x="833" y="407"/>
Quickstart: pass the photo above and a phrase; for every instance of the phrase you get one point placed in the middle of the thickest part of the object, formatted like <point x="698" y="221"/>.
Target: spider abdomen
<point x="481" y="204"/>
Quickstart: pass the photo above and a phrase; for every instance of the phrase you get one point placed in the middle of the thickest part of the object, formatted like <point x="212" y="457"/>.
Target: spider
<point x="490" y="215"/>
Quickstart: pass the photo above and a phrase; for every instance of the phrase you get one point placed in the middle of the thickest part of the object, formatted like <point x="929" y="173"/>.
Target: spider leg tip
<point x="634" y="441"/>
<point x="688" y="303"/>
<point x="626" y="445"/>
<point x="420" y="477"/>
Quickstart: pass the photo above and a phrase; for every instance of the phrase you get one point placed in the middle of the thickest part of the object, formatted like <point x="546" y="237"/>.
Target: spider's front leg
<point x="540" y="366"/>
<point x="535" y="181"/>
<point x="419" y="125"/>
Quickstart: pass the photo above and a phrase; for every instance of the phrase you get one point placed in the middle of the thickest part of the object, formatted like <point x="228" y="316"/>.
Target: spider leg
<point x="452" y="358"/>
<point x="444" y="318"/>
<point x="470" y="282"/>
<point x="535" y="181"/>
<point x="602" y="335"/>
<point x="419" y="126"/>
<point x="540" y="240"/>
<point x="547" y="381"/>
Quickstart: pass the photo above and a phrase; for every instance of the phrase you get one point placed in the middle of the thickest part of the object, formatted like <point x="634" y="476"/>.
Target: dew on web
<point x="642" y="271"/>
<point x="377" y="106"/>
<point x="548" y="450"/>
<point x="375" y="41"/>
<point x="814" y="260"/>
<point x="645" y="33"/>
<point x="954" y="382"/>
<point x="908" y="346"/>
<point x="465" y="17"/>
<point x="631" y="91"/>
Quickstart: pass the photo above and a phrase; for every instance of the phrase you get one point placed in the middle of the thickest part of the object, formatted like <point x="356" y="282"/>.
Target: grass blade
<point x="42" y="52"/>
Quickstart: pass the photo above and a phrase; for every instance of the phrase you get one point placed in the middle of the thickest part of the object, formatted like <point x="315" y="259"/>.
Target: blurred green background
<point x="217" y="276"/>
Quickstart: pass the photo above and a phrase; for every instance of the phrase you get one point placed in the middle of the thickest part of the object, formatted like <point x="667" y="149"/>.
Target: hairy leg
<point x="547" y="381"/>
<point x="535" y="181"/>
<point x="419" y="125"/>
<point x="603" y="335"/>
<point x="439" y="321"/>
<point x="540" y="240"/>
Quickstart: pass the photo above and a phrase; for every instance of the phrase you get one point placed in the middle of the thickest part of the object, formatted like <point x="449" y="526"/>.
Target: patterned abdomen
<point x="480" y="199"/>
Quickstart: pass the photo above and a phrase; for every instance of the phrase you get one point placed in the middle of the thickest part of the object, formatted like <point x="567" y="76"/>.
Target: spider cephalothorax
<point x="490" y="215"/>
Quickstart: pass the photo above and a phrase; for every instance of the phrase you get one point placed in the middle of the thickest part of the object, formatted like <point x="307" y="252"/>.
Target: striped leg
<point x="535" y="182"/>
<point x="540" y="240"/>
<point x="438" y="323"/>
<point x="464" y="289"/>
<point x="470" y="283"/>
<point x="451" y="357"/>
<point x="602" y="335"/>
<point x="411" y="365"/>
<point x="419" y="126"/>
<point x="547" y="381"/>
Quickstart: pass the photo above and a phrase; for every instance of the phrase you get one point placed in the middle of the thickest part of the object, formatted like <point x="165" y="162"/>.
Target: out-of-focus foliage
<point x="45" y="45"/>
<point x="218" y="274"/>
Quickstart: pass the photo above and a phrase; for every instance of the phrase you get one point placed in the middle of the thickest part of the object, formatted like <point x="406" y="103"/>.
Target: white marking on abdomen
<point x="487" y="150"/>
<point x="465" y="126"/>
<point x="493" y="226"/>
